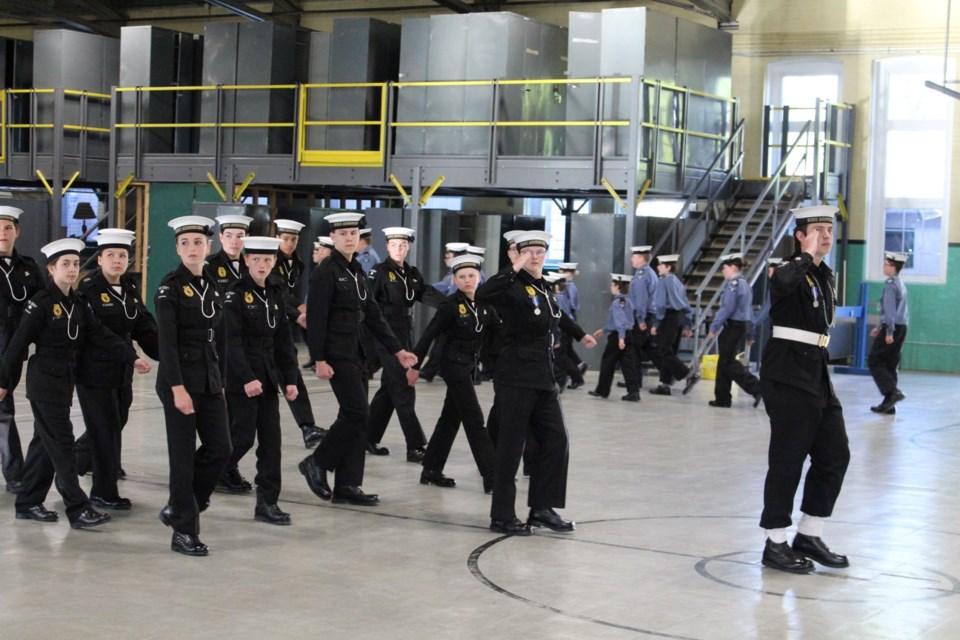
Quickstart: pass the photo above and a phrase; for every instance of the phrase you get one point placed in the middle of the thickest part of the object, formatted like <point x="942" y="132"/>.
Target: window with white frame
<point x="909" y="182"/>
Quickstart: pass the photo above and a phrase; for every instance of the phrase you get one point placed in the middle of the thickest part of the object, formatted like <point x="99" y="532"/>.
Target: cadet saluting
<point x="60" y="323"/>
<point x="338" y="303"/>
<point x="526" y="392"/>
<point x="189" y="384"/>
<point x="806" y="418"/>
<point x="260" y="358"/>
<point x="890" y="334"/>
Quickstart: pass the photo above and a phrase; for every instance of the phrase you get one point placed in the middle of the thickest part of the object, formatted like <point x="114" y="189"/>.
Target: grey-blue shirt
<point x="643" y="289"/>
<point x="671" y="296"/>
<point x="620" y="317"/>
<point x="893" y="304"/>
<point x="735" y="303"/>
<point x="368" y="259"/>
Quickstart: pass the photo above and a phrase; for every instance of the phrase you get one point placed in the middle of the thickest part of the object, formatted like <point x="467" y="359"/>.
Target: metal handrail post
<point x="112" y="145"/>
<point x="492" y="147"/>
<point x="633" y="155"/>
<point x="818" y="140"/>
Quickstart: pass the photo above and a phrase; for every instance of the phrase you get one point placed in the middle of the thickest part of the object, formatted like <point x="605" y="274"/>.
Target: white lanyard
<point x="203" y="295"/>
<point x="69" y="313"/>
<point x="470" y="305"/>
<point x="408" y="295"/>
<point x="356" y="281"/>
<point x="270" y="323"/>
<point x="123" y="303"/>
<point x="6" y="274"/>
<point x="549" y="304"/>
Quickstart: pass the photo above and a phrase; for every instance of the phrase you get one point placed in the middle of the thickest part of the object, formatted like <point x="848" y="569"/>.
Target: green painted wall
<point x="166" y="202"/>
<point x="933" y="343"/>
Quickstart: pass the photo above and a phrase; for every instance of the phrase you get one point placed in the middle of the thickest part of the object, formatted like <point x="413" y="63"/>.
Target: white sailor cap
<point x="234" y="222"/>
<point x="643" y="248"/>
<point x="366" y="232"/>
<point x="58" y="248"/>
<point x="347" y="220"/>
<point x="288" y="226"/>
<point x="620" y="278"/>
<point x="553" y="277"/>
<point x="399" y="233"/>
<point x="533" y="239"/>
<point x="893" y="256"/>
<point x="324" y="241"/>
<point x="10" y="213"/>
<point x="261" y="244"/>
<point x="477" y="251"/>
<point x="466" y="261"/>
<point x="191" y="224"/>
<point x="816" y="213"/>
<point x="511" y="236"/>
<point x="457" y="247"/>
<point x="731" y="257"/>
<point x="772" y="262"/>
<point x="114" y="239"/>
<point x="567" y="266"/>
<point x="673" y="257"/>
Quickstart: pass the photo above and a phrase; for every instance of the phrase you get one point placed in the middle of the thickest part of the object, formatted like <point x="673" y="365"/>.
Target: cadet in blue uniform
<point x="462" y="320"/>
<point x="367" y="256"/>
<point x="526" y="393"/>
<point x="396" y="286"/>
<point x="806" y="419"/>
<point x="673" y="314"/>
<point x="569" y="272"/>
<point x="890" y="334"/>
<point x="189" y="310"/>
<point x="23" y="280"/>
<point x="619" y="349"/>
<point x="643" y="289"/>
<point x="60" y="324"/>
<point x="764" y="312"/>
<point x="565" y="367"/>
<point x="339" y="303"/>
<point x="104" y="378"/>
<point x="732" y="325"/>
<point x="289" y="269"/>
<point x="261" y="359"/>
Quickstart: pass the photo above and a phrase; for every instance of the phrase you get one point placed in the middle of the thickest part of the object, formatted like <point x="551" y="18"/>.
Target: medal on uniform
<point x="221" y="272"/>
<point x="57" y="311"/>
<point x="463" y="309"/>
<point x="104" y="297"/>
<point x="187" y="291"/>
<point x="248" y="297"/>
<point x="393" y="278"/>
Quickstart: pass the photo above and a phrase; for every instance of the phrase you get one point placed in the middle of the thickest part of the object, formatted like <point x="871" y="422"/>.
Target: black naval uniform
<point x="105" y="380"/>
<point x="289" y="269"/>
<point x="339" y="304"/>
<point x="189" y="311"/>
<point x="806" y="418"/>
<point x="526" y="392"/>
<point x="395" y="288"/>
<point x="60" y="326"/>
<point x="259" y="347"/>
<point x="463" y="322"/>
<point x="23" y="280"/>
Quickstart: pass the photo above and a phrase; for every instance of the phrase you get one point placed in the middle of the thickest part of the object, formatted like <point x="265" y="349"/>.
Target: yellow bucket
<point x="708" y="367"/>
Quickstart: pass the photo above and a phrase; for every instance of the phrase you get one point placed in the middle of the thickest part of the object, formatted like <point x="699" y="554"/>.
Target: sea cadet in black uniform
<point x="60" y="324"/>
<point x="396" y="286"/>
<point x="189" y="307"/>
<point x="619" y="349"/>
<point x="806" y="419"/>
<point x="104" y="377"/>
<point x="732" y="325"/>
<point x="673" y="318"/>
<point x="338" y="303"/>
<point x="226" y="265"/>
<point x="289" y="269"/>
<point x="462" y="320"/>
<point x="321" y="251"/>
<point x="890" y="334"/>
<point x="23" y="279"/>
<point x="261" y="359"/>
<point x="526" y="393"/>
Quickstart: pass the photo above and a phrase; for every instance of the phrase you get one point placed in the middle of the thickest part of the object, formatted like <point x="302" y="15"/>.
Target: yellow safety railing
<point x="205" y="125"/>
<point x="103" y="97"/>
<point x="3" y="126"/>
<point x="341" y="157"/>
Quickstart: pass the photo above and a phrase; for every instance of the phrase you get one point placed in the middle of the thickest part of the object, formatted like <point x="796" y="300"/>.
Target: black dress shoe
<point x="692" y="379"/>
<point x="717" y="403"/>
<point x="582" y="368"/>
<point x="889" y="401"/>
<point x="488" y="485"/>
<point x="416" y="455"/>
<point x="515" y="527"/>
<point x="231" y="481"/>
<point x="166" y="516"/>
<point x="316" y="478"/>
<point x="188" y="545"/>
<point x="546" y="517"/>
<point x="816" y="549"/>
<point x="89" y="518"/>
<point x="37" y="512"/>
<point x="312" y="435"/>
<point x="660" y="390"/>
<point x="575" y="385"/>
<point x="596" y="394"/>
<point x="779" y="556"/>
<point x="757" y="399"/>
<point x="431" y="476"/>
<point x="354" y="495"/>
<point x="123" y="504"/>
<point x="14" y="486"/>
<point x="631" y="397"/>
<point x="374" y="449"/>
<point x="271" y="514"/>
<point x="622" y="385"/>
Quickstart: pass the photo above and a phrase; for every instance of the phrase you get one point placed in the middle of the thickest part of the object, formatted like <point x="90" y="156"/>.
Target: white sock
<point x="810" y="526"/>
<point x="776" y="536"/>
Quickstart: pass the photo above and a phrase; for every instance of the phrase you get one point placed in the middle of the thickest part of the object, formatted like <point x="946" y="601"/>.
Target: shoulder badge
<point x="104" y="297"/>
<point x="31" y="305"/>
<point x="187" y="291"/>
<point x="57" y="311"/>
<point x="531" y="291"/>
<point x="392" y="276"/>
<point x="222" y="272"/>
<point x="248" y="297"/>
<point x="463" y="309"/>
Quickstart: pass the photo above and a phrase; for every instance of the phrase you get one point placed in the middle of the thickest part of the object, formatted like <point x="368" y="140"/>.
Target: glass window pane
<point x="803" y="91"/>
<point x="917" y="233"/>
<point x="909" y="99"/>
<point x="915" y="164"/>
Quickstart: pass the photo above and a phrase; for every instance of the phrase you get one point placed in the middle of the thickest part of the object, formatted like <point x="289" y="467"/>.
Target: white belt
<point x="799" y="335"/>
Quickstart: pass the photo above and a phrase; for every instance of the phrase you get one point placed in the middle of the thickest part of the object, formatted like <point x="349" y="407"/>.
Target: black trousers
<point x="257" y="418"/>
<point x="434" y="358"/>
<point x="301" y="408"/>
<point x="51" y="453"/>
<point x="493" y="421"/>
<point x="668" y="339"/>
<point x="802" y="425"/>
<point x="194" y="471"/>
<point x="460" y="406"/>
<point x="11" y="451"/>
<point x="564" y="359"/>
<point x="344" y="447"/>
<point x="105" y="413"/>
<point x="644" y="345"/>
<point x="395" y="393"/>
<point x="730" y="341"/>
<point x="627" y="357"/>
<point x="537" y="411"/>
<point x="884" y="358"/>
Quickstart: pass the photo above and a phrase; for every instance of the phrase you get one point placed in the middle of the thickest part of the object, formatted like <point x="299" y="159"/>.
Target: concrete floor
<point x="666" y="495"/>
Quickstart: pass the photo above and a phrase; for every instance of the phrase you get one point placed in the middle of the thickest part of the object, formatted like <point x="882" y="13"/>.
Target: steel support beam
<point x="239" y="8"/>
<point x="47" y="9"/>
<point x="455" y="5"/>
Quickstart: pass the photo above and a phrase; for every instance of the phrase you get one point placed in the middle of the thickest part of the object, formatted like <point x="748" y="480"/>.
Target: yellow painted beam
<point x="243" y="186"/>
<point x="216" y="186"/>
<point x="69" y="182"/>
<point x="433" y="188"/>
<point x="403" y="192"/>
<point x="613" y="192"/>
<point x="46" y="184"/>
<point x="122" y="187"/>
